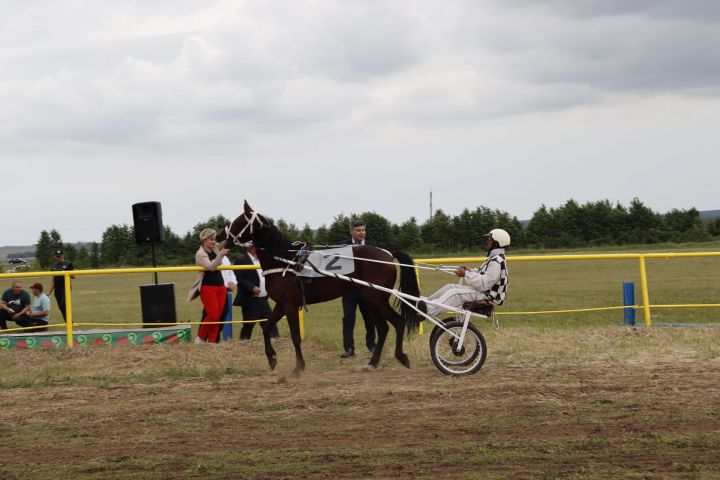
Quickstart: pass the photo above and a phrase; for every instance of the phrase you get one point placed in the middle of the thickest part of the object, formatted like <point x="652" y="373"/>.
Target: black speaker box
<point x="158" y="304"/>
<point x="148" y="222"/>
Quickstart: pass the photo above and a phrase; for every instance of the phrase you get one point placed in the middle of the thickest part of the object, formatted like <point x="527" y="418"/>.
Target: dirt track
<point x="600" y="420"/>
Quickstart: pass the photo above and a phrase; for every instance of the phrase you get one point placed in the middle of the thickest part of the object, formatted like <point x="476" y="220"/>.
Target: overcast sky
<point x="313" y="108"/>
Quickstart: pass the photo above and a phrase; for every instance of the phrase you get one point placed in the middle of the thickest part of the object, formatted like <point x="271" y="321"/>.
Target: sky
<point x="312" y="108"/>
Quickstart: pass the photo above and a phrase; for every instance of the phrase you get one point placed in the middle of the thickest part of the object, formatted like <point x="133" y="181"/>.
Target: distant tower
<point x="431" y="210"/>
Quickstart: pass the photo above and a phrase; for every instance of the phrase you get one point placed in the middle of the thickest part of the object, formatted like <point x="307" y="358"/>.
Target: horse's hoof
<point x="405" y="361"/>
<point x="368" y="368"/>
<point x="273" y="363"/>
<point x="295" y="373"/>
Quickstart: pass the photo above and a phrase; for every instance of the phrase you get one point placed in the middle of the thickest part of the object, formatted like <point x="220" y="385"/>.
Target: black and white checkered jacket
<point x="492" y="277"/>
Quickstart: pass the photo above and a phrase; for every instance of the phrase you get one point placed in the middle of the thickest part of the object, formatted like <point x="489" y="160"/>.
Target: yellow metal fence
<point x="70" y="324"/>
<point x="640" y="257"/>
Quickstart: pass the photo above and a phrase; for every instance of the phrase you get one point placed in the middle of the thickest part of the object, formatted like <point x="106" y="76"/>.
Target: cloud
<point x="639" y="47"/>
<point x="179" y="73"/>
<point x="296" y="96"/>
<point x="698" y="10"/>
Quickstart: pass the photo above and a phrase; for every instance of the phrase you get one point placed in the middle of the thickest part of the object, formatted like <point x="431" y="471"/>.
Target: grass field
<point x="560" y="396"/>
<point x="535" y="286"/>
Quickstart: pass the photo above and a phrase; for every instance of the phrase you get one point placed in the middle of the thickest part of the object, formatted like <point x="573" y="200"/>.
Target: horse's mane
<point x="271" y="239"/>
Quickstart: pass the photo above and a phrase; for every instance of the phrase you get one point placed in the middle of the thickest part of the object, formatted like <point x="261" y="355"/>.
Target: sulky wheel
<point x="437" y="329"/>
<point x="453" y="359"/>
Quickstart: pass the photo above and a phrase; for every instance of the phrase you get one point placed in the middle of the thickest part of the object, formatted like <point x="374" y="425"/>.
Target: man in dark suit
<point x="352" y="301"/>
<point x="251" y="294"/>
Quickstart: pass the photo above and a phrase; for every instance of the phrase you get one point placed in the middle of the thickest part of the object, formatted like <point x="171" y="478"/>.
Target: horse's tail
<point x="408" y="285"/>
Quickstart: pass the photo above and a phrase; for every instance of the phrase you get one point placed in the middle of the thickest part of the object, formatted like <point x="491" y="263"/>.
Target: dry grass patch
<point x="582" y="404"/>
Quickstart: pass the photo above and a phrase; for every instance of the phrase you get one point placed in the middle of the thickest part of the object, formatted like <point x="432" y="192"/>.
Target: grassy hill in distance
<point x="707" y="215"/>
<point x="12" y="251"/>
<point x="24" y="251"/>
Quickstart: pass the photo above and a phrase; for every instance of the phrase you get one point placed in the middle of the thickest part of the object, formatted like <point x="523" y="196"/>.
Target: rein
<point x="254" y="217"/>
<point x="404" y="297"/>
<point x="423" y="266"/>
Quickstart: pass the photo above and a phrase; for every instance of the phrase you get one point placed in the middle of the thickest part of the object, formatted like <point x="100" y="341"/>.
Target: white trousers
<point x="454" y="295"/>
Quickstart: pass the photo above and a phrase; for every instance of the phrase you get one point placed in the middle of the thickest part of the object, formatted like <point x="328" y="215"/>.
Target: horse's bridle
<point x="249" y="223"/>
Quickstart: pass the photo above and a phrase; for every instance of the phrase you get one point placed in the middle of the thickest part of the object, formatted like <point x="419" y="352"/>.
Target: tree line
<point x="571" y="225"/>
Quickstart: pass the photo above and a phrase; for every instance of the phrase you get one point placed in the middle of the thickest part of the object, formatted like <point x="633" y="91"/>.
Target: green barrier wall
<point x="140" y="336"/>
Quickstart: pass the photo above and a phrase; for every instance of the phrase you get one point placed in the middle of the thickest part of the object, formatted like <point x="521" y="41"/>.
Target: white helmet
<point x="500" y="236"/>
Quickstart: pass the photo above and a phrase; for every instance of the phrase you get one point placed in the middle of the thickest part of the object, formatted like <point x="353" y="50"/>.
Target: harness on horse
<point x="302" y="256"/>
<point x="296" y="266"/>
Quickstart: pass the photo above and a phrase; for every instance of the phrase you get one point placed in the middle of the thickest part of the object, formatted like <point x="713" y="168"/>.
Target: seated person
<point x="487" y="283"/>
<point x="14" y="304"/>
<point x="39" y="315"/>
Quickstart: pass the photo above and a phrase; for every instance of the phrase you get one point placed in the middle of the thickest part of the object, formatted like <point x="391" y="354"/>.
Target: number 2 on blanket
<point x="332" y="264"/>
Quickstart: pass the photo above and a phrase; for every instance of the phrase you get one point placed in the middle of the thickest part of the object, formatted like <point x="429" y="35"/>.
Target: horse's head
<point x="241" y="230"/>
<point x="221" y="235"/>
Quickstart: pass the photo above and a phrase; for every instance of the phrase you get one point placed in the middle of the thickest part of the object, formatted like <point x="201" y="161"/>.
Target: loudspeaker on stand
<point x="147" y="217"/>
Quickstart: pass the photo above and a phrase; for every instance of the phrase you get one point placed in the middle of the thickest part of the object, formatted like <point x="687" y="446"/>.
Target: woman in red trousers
<point x="210" y="286"/>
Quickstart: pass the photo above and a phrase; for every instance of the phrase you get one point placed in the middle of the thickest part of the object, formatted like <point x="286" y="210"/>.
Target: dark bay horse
<point x="285" y="289"/>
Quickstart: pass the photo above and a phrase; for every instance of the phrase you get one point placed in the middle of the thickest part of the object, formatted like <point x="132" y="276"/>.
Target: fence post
<point x="645" y="296"/>
<point x="629" y="301"/>
<point x="301" y="316"/>
<point x="68" y="312"/>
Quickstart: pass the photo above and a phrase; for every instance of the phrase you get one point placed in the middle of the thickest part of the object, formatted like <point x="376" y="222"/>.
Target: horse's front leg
<point x="292" y="313"/>
<point x="266" y="326"/>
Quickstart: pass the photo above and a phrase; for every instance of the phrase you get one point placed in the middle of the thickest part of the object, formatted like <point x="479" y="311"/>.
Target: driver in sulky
<point x="488" y="283"/>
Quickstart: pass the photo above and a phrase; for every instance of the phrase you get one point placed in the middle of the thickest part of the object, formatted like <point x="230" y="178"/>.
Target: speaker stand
<point x="154" y="260"/>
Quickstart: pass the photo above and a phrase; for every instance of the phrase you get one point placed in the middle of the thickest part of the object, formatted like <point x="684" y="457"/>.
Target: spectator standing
<point x="14" y="305"/>
<point x="210" y="285"/>
<point x="229" y="279"/>
<point x="230" y="285"/>
<point x="251" y="295"/>
<point x="352" y="301"/>
<point x="58" y="287"/>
